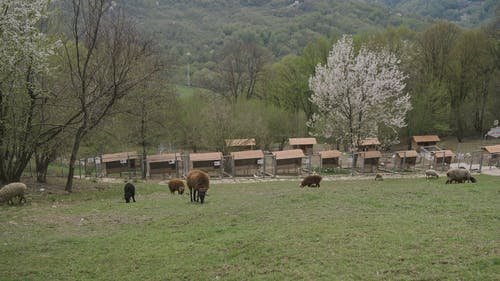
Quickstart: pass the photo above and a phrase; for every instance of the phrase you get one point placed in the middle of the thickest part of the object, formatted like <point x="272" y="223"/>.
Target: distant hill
<point x="200" y="27"/>
<point x="467" y="13"/>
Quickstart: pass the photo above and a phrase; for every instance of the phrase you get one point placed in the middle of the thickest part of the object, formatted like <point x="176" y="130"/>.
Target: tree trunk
<point x="42" y="165"/>
<point x="459" y="123"/>
<point x="74" y="151"/>
<point x="143" y="140"/>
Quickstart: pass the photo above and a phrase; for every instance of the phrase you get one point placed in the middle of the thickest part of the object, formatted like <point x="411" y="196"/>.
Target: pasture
<point x="396" y="229"/>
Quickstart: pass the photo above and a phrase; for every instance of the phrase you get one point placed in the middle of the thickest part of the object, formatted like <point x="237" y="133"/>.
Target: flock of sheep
<point x="198" y="183"/>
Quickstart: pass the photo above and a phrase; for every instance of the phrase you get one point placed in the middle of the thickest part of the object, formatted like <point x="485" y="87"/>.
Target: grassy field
<point x="398" y="229"/>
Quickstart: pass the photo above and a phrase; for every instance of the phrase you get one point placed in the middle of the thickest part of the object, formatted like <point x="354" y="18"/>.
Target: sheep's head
<point x="201" y="194"/>
<point x="181" y="189"/>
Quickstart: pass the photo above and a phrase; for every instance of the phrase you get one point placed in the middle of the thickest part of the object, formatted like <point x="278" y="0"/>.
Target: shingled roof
<point x="163" y="157"/>
<point x="330" y="154"/>
<point x="288" y="154"/>
<point x="119" y="156"/>
<point x="407" y="154"/>
<point x="492" y="148"/>
<point x="208" y="156"/>
<point x="428" y="138"/>
<point x="302" y="141"/>
<point x="240" y="142"/>
<point x="370" y="141"/>
<point x="443" y="153"/>
<point x="247" y="154"/>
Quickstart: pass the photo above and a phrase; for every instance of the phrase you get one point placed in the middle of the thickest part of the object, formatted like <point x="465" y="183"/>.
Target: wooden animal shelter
<point x="417" y="142"/>
<point x="240" y="144"/>
<point x="247" y="163"/>
<point x="209" y="162"/>
<point x="305" y="144"/>
<point x="369" y="144"/>
<point x="493" y="154"/>
<point x="288" y="162"/>
<point x="118" y="163"/>
<point x="164" y="165"/>
<point x="443" y="157"/>
<point x="405" y="160"/>
<point x="330" y="159"/>
<point x="368" y="161"/>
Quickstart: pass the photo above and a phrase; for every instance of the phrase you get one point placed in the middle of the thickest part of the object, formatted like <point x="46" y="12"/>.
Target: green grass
<point x="186" y="92"/>
<point x="397" y="229"/>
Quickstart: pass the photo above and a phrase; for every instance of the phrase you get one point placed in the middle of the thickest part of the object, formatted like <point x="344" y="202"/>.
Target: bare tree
<point x="102" y="56"/>
<point x="239" y="70"/>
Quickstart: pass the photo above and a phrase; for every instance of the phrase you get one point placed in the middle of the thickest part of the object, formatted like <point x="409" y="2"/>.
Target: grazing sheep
<point x="198" y="183"/>
<point x="129" y="192"/>
<point x="311" y="180"/>
<point x="379" y="177"/>
<point x="459" y="175"/>
<point x="176" y="185"/>
<point x="13" y="190"/>
<point x="431" y="174"/>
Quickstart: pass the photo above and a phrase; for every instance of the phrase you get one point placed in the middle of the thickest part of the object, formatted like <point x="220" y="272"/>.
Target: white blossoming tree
<point x="356" y="94"/>
<point x="24" y="57"/>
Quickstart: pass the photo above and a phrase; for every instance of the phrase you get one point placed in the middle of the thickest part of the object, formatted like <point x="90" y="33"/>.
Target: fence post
<point x="233" y="173"/>
<point x="31" y="169"/>
<point x="404" y="161"/>
<point x="95" y="166"/>
<point x="143" y="166"/>
<point x="275" y="168"/>
<point x="352" y="163"/>
<point x="481" y="162"/>
<point x="471" y="160"/>
<point x="321" y="163"/>
<point x="62" y="168"/>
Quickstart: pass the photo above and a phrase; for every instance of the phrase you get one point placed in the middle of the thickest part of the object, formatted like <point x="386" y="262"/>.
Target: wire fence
<point x="268" y="166"/>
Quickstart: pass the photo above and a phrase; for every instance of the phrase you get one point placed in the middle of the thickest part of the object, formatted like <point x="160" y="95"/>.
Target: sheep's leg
<point x="133" y="198"/>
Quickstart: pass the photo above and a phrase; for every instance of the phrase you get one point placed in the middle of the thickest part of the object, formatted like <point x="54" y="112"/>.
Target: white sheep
<point x="431" y="174"/>
<point x="459" y="175"/>
<point x="12" y="190"/>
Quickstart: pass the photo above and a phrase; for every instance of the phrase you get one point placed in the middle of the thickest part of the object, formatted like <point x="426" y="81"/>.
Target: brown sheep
<point x="198" y="184"/>
<point x="311" y="180"/>
<point x="379" y="177"/>
<point x="176" y="185"/>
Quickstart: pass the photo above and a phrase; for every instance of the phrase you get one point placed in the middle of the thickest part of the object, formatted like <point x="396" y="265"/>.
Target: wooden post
<point x="404" y="160"/>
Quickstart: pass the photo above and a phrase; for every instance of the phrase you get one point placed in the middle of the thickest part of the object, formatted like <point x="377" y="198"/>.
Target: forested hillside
<point x="200" y="27"/>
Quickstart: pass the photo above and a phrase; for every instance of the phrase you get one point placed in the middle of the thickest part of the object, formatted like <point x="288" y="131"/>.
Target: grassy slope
<point x="398" y="229"/>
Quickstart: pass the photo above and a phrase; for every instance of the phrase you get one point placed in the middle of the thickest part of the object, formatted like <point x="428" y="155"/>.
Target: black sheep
<point x="129" y="191"/>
